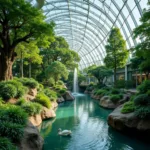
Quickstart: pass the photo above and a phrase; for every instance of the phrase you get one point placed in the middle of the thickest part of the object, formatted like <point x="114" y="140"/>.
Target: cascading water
<point x="75" y="82"/>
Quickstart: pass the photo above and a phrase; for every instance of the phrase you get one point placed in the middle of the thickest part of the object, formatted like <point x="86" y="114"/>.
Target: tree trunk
<point x="5" y="67"/>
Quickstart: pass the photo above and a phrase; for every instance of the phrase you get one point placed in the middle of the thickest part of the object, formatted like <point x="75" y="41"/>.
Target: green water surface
<point x="90" y="131"/>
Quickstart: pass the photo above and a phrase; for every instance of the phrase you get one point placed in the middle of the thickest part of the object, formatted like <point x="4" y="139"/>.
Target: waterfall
<point x="75" y="82"/>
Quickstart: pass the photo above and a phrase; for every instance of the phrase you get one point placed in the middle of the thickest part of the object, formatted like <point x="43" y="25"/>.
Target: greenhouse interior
<point x="74" y="74"/>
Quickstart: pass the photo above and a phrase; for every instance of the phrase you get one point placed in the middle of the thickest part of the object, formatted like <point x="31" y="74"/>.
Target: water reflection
<point x="90" y="131"/>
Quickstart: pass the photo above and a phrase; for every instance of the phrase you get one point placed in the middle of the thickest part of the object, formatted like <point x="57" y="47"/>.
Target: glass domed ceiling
<point x="86" y="24"/>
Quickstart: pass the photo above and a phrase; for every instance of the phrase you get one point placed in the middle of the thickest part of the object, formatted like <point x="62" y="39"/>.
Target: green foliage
<point x="7" y="90"/>
<point x="40" y="88"/>
<point x="144" y="87"/>
<point x="116" y="50"/>
<point x="56" y="71"/>
<point x="115" y="98"/>
<point x="42" y="99"/>
<point x="142" y="100"/>
<point x="143" y="112"/>
<point x="29" y="82"/>
<point x="5" y="144"/>
<point x="115" y="91"/>
<point x="100" y="92"/>
<point x="13" y="114"/>
<point x="51" y="94"/>
<point x="20" y="101"/>
<point x="32" y="108"/>
<point x="11" y="130"/>
<point x="60" y="82"/>
<point x="100" y="72"/>
<point x="128" y="107"/>
<point x="62" y="91"/>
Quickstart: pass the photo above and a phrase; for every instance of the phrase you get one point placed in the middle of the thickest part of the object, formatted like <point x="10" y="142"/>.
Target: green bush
<point x="40" y="88"/>
<point x="101" y="92"/>
<point x="7" y="90"/>
<point x="120" y="84"/>
<point x="144" y="87"/>
<point x="121" y="96"/>
<point x="114" y="98"/>
<point x="32" y="108"/>
<point x="5" y="144"/>
<point x="20" y="102"/>
<point x="11" y="130"/>
<point x="128" y="107"/>
<point x="51" y="94"/>
<point x="62" y="91"/>
<point x="142" y="100"/>
<point x="29" y="82"/>
<point x="42" y="99"/>
<point x="115" y="91"/>
<point x="143" y="112"/>
<point x="129" y="84"/>
<point x="60" y="82"/>
<point x="13" y="114"/>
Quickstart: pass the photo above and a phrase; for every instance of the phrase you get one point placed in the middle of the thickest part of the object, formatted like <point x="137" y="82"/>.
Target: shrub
<point x="21" y="101"/>
<point x="115" y="98"/>
<point x="128" y="107"/>
<point x="7" y="90"/>
<point x="5" y="144"/>
<point x="62" y="91"/>
<point x="51" y="94"/>
<point x="144" y="87"/>
<point x="11" y="130"/>
<point x="32" y="108"/>
<point x="121" y="96"/>
<point x="42" y="99"/>
<point x="115" y="91"/>
<point x="143" y="112"/>
<point x="41" y="87"/>
<point x="142" y="100"/>
<point x="13" y="114"/>
<point x="31" y="83"/>
<point x="129" y="84"/>
<point x="120" y="84"/>
<point x="60" y="82"/>
<point x="101" y="92"/>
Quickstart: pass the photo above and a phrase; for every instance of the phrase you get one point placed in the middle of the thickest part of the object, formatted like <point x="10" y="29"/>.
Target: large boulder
<point x="31" y="139"/>
<point x="60" y="100"/>
<point x="107" y="103"/>
<point x="68" y="96"/>
<point x="128" y="122"/>
<point x="54" y="105"/>
<point x="47" y="113"/>
<point x="32" y="92"/>
<point x="36" y="120"/>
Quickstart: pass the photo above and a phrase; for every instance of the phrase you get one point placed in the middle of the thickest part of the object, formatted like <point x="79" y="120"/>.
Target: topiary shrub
<point x="128" y="107"/>
<point x="115" y="91"/>
<point x="32" y="108"/>
<point x="11" y="130"/>
<point x="114" y="98"/>
<point x="142" y="100"/>
<point x="13" y="114"/>
<point x="144" y="87"/>
<point x="42" y="99"/>
<point x="5" y="144"/>
<point x="7" y="90"/>
<point x="143" y="112"/>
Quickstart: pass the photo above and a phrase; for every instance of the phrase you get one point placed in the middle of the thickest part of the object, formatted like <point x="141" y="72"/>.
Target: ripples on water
<point x="90" y="131"/>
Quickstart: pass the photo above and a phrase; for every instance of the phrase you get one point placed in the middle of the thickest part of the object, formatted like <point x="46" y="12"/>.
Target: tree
<point x="59" y="51"/>
<point x="142" y="50"/>
<point x="116" y="50"/>
<point x="56" y="70"/>
<point x="101" y="73"/>
<point x="19" y="22"/>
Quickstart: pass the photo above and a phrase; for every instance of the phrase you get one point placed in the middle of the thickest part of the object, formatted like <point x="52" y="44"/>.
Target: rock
<point x="54" y="105"/>
<point x="47" y="113"/>
<point x="128" y="122"/>
<point x="36" y="120"/>
<point x="31" y="139"/>
<point x="107" y="103"/>
<point x="60" y="99"/>
<point x="32" y="92"/>
<point x="68" y="96"/>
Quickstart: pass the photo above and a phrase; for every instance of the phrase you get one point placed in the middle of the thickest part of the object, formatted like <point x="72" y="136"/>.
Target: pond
<point x="88" y="123"/>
